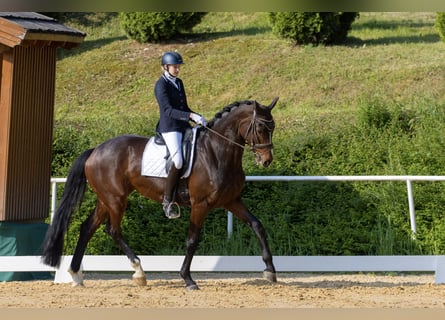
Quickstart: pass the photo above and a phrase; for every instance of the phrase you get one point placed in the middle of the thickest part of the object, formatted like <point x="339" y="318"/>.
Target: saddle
<point x="187" y="143"/>
<point x="156" y="159"/>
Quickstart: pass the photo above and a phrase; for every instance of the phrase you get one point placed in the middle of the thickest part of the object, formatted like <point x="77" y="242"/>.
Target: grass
<point x="234" y="56"/>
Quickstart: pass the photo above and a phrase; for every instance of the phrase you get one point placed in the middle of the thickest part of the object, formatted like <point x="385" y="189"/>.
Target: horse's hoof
<point x="192" y="287"/>
<point x="140" y="281"/>
<point x="270" y="276"/>
<point x="77" y="278"/>
<point x="77" y="284"/>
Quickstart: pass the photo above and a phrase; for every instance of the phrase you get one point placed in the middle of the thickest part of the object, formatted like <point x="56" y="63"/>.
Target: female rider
<point x="175" y="115"/>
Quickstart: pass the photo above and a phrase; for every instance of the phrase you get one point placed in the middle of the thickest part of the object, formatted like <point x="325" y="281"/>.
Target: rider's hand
<point x="198" y="119"/>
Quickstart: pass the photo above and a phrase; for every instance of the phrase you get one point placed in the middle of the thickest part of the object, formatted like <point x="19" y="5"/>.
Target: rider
<point x="174" y="120"/>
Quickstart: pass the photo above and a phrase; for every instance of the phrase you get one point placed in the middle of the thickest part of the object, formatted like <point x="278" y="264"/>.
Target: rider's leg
<point x="173" y="141"/>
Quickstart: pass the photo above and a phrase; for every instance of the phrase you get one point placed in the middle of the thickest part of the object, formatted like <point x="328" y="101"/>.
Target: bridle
<point x="252" y="129"/>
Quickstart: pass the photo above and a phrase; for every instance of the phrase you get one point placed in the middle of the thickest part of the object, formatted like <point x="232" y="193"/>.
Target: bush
<point x="157" y="26"/>
<point x="312" y="27"/>
<point x="440" y="24"/>
<point x="68" y="143"/>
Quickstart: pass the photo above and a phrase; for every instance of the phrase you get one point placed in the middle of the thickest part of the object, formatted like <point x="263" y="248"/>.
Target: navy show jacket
<point x="173" y="106"/>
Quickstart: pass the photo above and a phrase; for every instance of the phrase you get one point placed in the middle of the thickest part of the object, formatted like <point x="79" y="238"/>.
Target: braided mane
<point x="226" y="110"/>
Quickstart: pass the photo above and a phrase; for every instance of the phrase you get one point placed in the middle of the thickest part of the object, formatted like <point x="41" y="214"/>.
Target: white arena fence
<point x="120" y="263"/>
<point x="407" y="179"/>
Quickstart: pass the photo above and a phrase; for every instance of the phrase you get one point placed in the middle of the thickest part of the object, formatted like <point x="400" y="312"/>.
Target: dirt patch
<point x="230" y="290"/>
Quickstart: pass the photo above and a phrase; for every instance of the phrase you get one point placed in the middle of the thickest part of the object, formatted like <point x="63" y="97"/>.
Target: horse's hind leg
<point x="113" y="228"/>
<point x="87" y="229"/>
<point x="139" y="274"/>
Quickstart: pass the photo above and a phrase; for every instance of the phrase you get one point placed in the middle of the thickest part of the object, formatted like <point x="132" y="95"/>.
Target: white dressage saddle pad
<point x="154" y="162"/>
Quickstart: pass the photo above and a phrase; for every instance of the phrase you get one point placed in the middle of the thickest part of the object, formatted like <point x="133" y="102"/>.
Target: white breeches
<point x="173" y="140"/>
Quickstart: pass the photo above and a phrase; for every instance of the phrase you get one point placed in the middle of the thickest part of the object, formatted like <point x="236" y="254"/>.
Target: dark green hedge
<point x="312" y="27"/>
<point x="440" y="24"/>
<point x="157" y="26"/>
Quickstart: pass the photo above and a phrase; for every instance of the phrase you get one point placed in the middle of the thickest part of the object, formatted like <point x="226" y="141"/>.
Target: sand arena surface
<point x="230" y="290"/>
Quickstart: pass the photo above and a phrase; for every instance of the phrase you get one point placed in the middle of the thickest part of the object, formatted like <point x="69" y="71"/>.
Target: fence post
<point x="440" y="269"/>
<point x="53" y="198"/>
<point x="412" y="210"/>
<point x="229" y="224"/>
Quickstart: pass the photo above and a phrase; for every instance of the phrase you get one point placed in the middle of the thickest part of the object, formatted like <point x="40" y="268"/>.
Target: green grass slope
<point x="233" y="56"/>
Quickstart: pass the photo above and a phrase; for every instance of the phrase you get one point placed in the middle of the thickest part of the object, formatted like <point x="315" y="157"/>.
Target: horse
<point x="113" y="171"/>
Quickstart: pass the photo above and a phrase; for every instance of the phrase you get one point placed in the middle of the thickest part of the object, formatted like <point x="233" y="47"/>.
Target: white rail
<point x="407" y="178"/>
<point x="120" y="263"/>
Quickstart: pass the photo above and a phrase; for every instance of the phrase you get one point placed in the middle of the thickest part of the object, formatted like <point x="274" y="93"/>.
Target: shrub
<point x="68" y="143"/>
<point x="440" y="24"/>
<point x="312" y="27"/>
<point x="157" y="26"/>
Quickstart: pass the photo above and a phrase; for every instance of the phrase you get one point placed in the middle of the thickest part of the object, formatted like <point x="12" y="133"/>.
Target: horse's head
<point x="258" y="132"/>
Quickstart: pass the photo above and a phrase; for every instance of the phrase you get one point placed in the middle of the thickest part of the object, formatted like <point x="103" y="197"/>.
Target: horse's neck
<point x="229" y="126"/>
<point x="227" y="144"/>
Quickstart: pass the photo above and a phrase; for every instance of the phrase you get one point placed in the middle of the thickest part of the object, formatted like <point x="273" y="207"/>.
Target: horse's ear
<point x="273" y="103"/>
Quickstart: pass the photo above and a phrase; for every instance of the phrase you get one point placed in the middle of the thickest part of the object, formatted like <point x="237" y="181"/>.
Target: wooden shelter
<point x="28" y="43"/>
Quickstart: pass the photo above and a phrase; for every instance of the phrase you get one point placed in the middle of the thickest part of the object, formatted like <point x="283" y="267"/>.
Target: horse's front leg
<point x="239" y="210"/>
<point x="196" y="222"/>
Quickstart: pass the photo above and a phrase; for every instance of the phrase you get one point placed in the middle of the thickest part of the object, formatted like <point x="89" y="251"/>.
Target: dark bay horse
<point x="113" y="170"/>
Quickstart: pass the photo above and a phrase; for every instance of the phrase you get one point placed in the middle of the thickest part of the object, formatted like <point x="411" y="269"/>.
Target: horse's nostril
<point x="266" y="163"/>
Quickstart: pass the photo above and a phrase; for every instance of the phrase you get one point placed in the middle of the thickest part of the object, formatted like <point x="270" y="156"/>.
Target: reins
<point x="225" y="138"/>
<point x="252" y="145"/>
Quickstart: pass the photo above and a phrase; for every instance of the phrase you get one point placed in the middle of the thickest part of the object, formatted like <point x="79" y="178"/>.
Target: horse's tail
<point x="73" y="193"/>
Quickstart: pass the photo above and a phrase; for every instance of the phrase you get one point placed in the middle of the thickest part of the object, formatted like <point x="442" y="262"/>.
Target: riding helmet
<point x="171" y="58"/>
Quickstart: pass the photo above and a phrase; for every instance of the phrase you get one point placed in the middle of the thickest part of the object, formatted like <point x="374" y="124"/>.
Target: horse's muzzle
<point x="264" y="159"/>
<point x="267" y="163"/>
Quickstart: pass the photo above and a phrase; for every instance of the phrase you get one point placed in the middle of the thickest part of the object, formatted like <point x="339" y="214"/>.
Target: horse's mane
<point x="227" y="109"/>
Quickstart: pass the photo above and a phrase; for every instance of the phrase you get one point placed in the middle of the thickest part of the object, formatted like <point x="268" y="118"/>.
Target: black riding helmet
<point x="171" y="58"/>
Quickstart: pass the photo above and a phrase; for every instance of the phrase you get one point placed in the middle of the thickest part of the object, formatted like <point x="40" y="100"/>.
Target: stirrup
<point x="170" y="212"/>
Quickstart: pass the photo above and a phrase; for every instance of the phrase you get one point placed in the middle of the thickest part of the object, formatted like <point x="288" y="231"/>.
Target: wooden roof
<point x="34" y="29"/>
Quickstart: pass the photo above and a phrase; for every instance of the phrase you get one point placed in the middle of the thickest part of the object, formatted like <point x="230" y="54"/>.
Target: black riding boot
<point x="171" y="208"/>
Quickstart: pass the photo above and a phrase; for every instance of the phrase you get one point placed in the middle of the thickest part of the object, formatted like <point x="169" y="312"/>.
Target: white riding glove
<point x="198" y="119"/>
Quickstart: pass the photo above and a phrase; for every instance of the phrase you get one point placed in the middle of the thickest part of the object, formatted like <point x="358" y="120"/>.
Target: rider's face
<point x="173" y="69"/>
